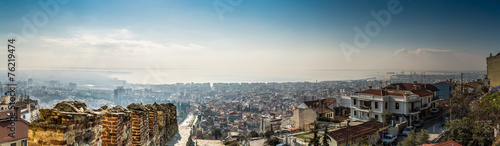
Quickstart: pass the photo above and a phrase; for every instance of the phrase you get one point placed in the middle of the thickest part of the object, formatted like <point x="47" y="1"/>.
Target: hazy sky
<point x="261" y="38"/>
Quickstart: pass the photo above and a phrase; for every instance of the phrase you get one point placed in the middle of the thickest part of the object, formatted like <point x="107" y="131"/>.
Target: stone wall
<point x="140" y="124"/>
<point x="68" y="123"/>
<point x="171" y="120"/>
<point x="71" y="123"/>
<point x="117" y="126"/>
<point x="154" y="136"/>
<point x="161" y="123"/>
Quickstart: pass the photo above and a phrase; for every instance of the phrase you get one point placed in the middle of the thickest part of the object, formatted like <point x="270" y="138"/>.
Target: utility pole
<point x="347" y="129"/>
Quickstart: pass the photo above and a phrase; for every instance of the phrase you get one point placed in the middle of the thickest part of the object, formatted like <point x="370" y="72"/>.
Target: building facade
<point x="493" y="70"/>
<point x="408" y="102"/>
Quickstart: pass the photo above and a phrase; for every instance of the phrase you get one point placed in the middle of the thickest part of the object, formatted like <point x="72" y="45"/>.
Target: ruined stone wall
<point x="171" y="120"/>
<point x="161" y="123"/>
<point x="153" y="124"/>
<point x="71" y="123"/>
<point x="68" y="123"/>
<point x="117" y="126"/>
<point x="140" y="124"/>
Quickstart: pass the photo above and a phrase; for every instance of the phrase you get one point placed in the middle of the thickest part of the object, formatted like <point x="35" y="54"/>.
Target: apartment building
<point x="407" y="101"/>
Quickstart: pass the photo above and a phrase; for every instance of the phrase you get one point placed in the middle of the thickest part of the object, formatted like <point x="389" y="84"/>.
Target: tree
<point x="326" y="138"/>
<point x="254" y="134"/>
<point x="268" y="134"/>
<point x="466" y="131"/>
<point x="273" y="141"/>
<point x="414" y="138"/>
<point x="217" y="133"/>
<point x="423" y="137"/>
<point x="487" y="110"/>
<point x="387" y="117"/>
<point x="315" y="140"/>
<point x="485" y="89"/>
<point x="461" y="104"/>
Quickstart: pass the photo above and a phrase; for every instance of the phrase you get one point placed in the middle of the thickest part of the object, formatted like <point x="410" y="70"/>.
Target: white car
<point x="408" y="130"/>
<point x="389" y="138"/>
<point x="434" y="110"/>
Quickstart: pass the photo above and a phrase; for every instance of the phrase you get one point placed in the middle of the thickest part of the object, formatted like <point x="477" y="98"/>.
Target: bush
<point x="326" y="119"/>
<point x="485" y="89"/>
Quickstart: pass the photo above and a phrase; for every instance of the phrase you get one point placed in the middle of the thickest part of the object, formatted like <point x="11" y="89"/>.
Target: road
<point x="432" y="125"/>
<point x="182" y="136"/>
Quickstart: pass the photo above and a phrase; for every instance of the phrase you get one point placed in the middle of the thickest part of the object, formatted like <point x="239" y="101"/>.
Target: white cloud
<point x="119" y="40"/>
<point x="421" y="51"/>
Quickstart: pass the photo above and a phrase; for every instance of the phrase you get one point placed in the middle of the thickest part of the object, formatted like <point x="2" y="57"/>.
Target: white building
<point x="407" y="102"/>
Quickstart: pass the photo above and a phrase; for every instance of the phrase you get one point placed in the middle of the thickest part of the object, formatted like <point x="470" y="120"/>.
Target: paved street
<point x="432" y="125"/>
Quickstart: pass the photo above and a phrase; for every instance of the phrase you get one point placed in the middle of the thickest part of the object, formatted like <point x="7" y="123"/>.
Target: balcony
<point x="424" y="106"/>
<point x="364" y="108"/>
<point x="365" y="96"/>
<point x="415" y="111"/>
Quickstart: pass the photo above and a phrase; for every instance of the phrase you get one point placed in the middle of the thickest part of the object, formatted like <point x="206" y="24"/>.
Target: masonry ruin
<point x="72" y="123"/>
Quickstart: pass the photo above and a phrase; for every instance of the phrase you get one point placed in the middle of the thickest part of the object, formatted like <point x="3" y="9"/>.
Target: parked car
<point x="434" y="110"/>
<point x="418" y="123"/>
<point x="408" y="130"/>
<point x="389" y="138"/>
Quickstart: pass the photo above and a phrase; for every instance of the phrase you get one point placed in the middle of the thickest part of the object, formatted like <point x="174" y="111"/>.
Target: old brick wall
<point x="161" y="123"/>
<point x="140" y="124"/>
<point x="117" y="126"/>
<point x="68" y="123"/>
<point x="71" y="123"/>
<point x="171" y="120"/>
<point x="154" y="136"/>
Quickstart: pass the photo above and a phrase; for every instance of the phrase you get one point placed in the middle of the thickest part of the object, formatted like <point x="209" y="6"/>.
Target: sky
<point x="247" y="40"/>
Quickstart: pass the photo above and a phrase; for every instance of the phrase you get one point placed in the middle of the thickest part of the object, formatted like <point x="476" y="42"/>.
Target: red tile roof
<point x="315" y="105"/>
<point x="380" y="92"/>
<point x="446" y="143"/>
<point x="361" y="130"/>
<point x="410" y="86"/>
<point x="421" y="93"/>
<point x="21" y="128"/>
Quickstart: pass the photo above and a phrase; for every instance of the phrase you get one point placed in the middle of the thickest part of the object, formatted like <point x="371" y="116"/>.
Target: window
<point x="385" y="105"/>
<point x="376" y="117"/>
<point x="428" y="100"/>
<point x="354" y="112"/>
<point x="24" y="143"/>
<point x="354" y="101"/>
<point x="397" y="105"/>
<point x="368" y="115"/>
<point x="13" y="144"/>
<point x="376" y="105"/>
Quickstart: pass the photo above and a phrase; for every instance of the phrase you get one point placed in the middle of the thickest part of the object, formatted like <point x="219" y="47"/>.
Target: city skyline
<point x="186" y="41"/>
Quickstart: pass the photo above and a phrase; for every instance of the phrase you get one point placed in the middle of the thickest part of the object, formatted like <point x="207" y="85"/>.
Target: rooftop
<point x="364" y="129"/>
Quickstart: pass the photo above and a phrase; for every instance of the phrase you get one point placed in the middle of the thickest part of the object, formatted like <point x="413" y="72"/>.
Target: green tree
<point x="217" y="133"/>
<point x="326" y="138"/>
<point x="387" y="117"/>
<point x="315" y="140"/>
<point x="268" y="134"/>
<point x="273" y="141"/>
<point x="423" y="137"/>
<point x="466" y="131"/>
<point x="414" y="138"/>
<point x="485" y="89"/>
<point x="254" y="134"/>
